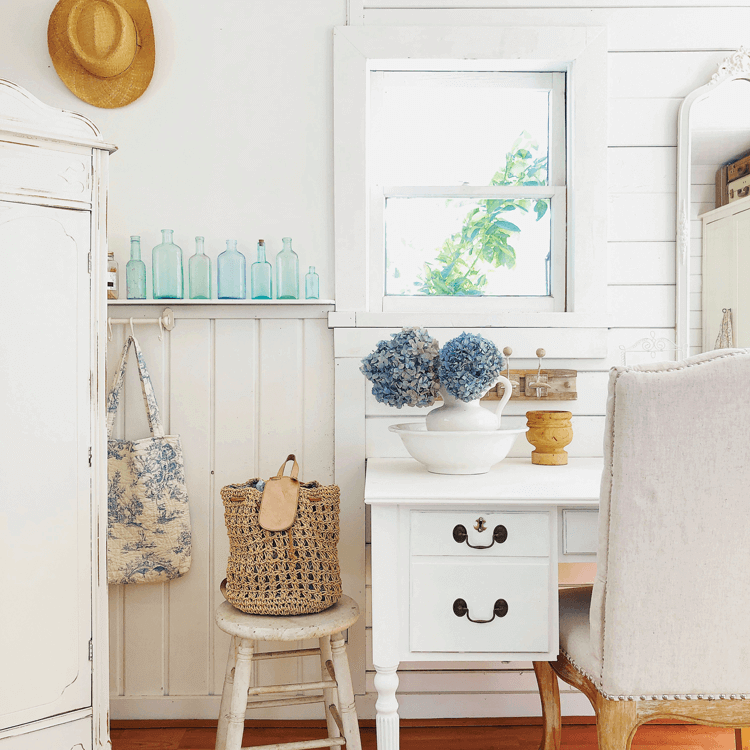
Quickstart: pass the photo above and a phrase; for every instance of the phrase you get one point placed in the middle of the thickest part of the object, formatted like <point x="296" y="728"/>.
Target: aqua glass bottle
<point x="135" y="271"/>
<point x="312" y="284"/>
<point x="261" y="272"/>
<point x="166" y="268"/>
<point x="199" y="273"/>
<point x="230" y="269"/>
<point x="287" y="272"/>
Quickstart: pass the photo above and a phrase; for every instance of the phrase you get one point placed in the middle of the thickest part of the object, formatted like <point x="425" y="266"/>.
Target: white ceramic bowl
<point x="449" y="452"/>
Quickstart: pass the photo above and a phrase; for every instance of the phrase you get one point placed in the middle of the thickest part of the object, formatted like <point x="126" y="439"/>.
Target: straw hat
<point x="103" y="50"/>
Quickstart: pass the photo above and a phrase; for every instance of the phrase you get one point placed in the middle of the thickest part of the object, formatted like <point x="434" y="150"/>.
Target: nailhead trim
<point x="686" y="697"/>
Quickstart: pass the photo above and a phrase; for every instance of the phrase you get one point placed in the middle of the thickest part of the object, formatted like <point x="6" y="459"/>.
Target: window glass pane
<point x="454" y="128"/>
<point x="467" y="246"/>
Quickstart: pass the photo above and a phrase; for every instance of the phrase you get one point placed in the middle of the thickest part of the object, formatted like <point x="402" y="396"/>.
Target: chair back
<point x="670" y="611"/>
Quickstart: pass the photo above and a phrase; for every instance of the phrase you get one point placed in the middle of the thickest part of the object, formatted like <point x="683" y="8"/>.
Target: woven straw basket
<point x="289" y="572"/>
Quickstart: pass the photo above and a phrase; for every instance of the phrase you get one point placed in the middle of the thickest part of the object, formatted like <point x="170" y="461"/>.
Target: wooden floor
<point x="574" y="737"/>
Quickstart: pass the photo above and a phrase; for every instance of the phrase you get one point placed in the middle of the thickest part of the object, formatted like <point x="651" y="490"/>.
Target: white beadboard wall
<point x="242" y="394"/>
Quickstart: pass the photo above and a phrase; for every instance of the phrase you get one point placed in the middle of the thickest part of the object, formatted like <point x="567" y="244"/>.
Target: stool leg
<point x="330" y="695"/>
<point x="347" y="709"/>
<point x="226" y="696"/>
<point x="238" y="701"/>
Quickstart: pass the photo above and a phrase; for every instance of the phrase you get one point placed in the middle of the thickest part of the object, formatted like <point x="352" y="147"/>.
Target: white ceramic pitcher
<point x="468" y="416"/>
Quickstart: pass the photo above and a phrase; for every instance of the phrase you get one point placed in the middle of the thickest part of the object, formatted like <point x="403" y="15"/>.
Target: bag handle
<point x="295" y="467"/>
<point x="147" y="388"/>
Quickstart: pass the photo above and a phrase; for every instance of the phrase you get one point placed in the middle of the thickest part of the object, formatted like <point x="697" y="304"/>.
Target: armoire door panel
<point x="45" y="478"/>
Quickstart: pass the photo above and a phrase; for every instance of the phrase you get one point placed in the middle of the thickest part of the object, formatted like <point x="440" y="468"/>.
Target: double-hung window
<point x="468" y="174"/>
<point x="470" y="180"/>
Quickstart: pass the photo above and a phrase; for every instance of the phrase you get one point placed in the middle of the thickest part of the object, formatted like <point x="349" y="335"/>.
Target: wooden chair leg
<point x="615" y="724"/>
<point x="742" y="738"/>
<point x="226" y="696"/>
<point x="238" y="701"/>
<point x="330" y="695"/>
<point x="549" y="692"/>
<point x="346" y="706"/>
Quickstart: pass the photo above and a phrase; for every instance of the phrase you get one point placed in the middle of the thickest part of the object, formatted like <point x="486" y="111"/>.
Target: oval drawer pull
<point x="460" y="608"/>
<point x="460" y="535"/>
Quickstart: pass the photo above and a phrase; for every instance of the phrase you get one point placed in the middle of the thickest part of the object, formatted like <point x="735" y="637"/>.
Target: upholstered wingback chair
<point x="665" y="631"/>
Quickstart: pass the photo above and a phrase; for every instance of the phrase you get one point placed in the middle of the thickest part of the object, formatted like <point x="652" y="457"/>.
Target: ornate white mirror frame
<point x="734" y="67"/>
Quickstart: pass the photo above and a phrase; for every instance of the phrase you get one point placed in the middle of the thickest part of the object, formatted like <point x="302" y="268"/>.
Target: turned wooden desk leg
<point x="549" y="692"/>
<point x="742" y="738"/>
<point x="386" y="720"/>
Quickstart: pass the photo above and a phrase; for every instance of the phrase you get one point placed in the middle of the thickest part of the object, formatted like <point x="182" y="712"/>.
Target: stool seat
<point x="335" y="683"/>
<point x="339" y="617"/>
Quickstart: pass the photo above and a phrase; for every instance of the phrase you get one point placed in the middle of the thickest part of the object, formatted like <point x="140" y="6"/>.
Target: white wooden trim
<point x="581" y="51"/>
<point x="99" y="520"/>
<point x="471" y="191"/>
<point x="734" y="67"/>
<point x="483" y="320"/>
<point x="349" y="452"/>
<point x="582" y="343"/>
<point x="411" y="706"/>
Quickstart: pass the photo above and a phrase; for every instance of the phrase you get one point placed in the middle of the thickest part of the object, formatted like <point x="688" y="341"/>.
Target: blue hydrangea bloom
<point x="469" y="365"/>
<point x="403" y="371"/>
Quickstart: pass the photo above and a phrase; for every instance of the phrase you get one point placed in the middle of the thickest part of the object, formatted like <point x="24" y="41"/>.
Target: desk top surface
<point x="395" y="480"/>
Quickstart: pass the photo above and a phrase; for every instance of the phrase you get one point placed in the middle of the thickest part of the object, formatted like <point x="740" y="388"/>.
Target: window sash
<point x="380" y="302"/>
<point x="556" y="177"/>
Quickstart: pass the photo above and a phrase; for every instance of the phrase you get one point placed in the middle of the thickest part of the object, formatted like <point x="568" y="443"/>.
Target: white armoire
<point x="53" y="488"/>
<point x="726" y="271"/>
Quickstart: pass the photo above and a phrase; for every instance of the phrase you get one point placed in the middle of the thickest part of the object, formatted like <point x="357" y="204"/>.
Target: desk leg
<point x="386" y="722"/>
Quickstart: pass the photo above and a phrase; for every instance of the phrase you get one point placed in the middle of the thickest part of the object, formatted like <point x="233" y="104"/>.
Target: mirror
<point x="713" y="235"/>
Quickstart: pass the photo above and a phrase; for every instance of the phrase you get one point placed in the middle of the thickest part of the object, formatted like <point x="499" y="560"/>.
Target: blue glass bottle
<point x="166" y="268"/>
<point x="312" y="284"/>
<point x="199" y="272"/>
<point x="135" y="271"/>
<point x="260" y="275"/>
<point x="287" y="272"/>
<point x="230" y="268"/>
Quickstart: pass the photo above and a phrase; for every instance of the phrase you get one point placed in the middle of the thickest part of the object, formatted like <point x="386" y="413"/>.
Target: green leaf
<point x="507" y="225"/>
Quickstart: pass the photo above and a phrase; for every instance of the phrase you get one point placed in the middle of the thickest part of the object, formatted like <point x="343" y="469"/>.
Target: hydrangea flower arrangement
<point x="409" y="369"/>
<point x="403" y="371"/>
<point x="469" y="365"/>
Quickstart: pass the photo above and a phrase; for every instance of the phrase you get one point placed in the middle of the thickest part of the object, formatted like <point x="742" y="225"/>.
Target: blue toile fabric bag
<point x="148" y="537"/>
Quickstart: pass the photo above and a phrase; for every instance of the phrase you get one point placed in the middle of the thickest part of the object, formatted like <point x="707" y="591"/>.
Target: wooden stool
<point x="336" y="681"/>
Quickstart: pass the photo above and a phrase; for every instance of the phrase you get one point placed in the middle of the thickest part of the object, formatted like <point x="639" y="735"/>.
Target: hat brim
<point x="108" y="93"/>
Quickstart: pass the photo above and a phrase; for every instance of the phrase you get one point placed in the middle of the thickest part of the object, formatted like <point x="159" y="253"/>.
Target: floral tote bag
<point x="148" y="536"/>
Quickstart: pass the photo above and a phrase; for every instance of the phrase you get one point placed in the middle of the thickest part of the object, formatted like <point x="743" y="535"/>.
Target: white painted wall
<point x="233" y="139"/>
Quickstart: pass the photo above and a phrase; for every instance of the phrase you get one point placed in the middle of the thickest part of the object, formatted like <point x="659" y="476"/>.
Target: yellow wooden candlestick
<point x="549" y="432"/>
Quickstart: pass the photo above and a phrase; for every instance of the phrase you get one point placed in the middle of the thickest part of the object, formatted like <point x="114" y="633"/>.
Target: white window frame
<point x="555" y="190"/>
<point x="580" y="52"/>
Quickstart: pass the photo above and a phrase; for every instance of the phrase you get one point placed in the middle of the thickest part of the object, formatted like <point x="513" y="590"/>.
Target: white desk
<point x="427" y="581"/>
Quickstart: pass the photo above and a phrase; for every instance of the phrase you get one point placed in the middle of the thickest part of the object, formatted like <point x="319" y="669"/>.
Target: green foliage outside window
<point x="484" y="241"/>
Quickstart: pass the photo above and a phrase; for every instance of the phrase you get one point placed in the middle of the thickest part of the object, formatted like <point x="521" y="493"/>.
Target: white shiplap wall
<point x="657" y="55"/>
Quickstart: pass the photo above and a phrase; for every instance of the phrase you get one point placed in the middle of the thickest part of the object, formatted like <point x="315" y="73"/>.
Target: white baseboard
<point x="411" y="706"/>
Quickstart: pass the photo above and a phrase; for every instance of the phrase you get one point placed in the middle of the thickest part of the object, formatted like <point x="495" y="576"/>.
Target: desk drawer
<point x="580" y="532"/>
<point x="523" y="534"/>
<point x="436" y="585"/>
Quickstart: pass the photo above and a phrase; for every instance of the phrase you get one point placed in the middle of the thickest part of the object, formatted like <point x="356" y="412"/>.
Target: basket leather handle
<point x="295" y="467"/>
